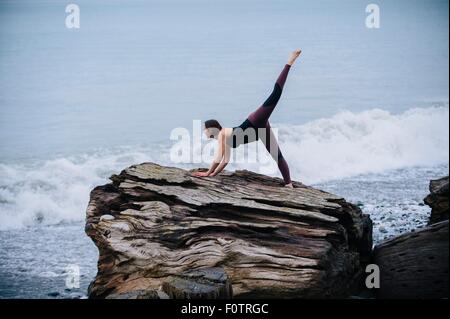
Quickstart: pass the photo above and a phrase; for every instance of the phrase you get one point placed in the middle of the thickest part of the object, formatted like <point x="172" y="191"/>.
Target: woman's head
<point x="212" y="128"/>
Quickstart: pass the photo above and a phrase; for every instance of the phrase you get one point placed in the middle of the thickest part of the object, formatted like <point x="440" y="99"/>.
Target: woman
<point x="255" y="127"/>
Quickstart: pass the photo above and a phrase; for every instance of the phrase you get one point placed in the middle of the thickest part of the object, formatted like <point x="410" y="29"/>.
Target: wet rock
<point x="53" y="294"/>
<point x="208" y="283"/>
<point x="135" y="294"/>
<point x="415" y="265"/>
<point x="438" y="200"/>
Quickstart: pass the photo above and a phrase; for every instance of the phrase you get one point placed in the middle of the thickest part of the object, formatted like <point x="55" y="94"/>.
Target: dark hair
<point x="213" y="124"/>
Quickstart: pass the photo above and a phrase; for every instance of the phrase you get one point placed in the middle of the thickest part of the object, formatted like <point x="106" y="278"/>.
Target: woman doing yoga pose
<point x="255" y="127"/>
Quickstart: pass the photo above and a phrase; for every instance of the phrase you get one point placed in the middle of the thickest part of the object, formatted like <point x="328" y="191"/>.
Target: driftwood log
<point x="414" y="265"/>
<point x="162" y="233"/>
<point x="438" y="200"/>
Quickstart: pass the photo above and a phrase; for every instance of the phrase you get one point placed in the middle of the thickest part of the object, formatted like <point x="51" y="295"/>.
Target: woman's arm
<point x="217" y="158"/>
<point x="225" y="159"/>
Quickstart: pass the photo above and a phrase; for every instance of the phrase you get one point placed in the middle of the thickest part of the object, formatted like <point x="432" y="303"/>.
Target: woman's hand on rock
<point x="200" y="174"/>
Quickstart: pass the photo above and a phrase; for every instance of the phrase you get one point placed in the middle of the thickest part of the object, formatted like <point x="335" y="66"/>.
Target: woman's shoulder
<point x="225" y="131"/>
<point x="225" y="135"/>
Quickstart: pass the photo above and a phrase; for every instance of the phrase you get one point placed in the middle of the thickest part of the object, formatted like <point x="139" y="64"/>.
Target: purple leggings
<point x="260" y="119"/>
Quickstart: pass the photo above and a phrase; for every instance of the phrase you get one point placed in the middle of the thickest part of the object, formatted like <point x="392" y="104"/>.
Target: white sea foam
<point x="56" y="190"/>
<point x="345" y="145"/>
<point x="350" y="144"/>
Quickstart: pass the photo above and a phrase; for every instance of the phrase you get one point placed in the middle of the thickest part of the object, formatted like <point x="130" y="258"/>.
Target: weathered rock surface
<point x="205" y="283"/>
<point x="165" y="233"/>
<point x="438" y="200"/>
<point x="415" y="265"/>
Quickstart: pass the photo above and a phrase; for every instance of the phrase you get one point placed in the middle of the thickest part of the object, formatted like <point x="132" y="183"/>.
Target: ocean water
<point x="364" y="113"/>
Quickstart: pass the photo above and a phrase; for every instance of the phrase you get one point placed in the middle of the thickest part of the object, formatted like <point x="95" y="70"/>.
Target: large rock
<point x="163" y="233"/>
<point x="205" y="283"/>
<point x="414" y="265"/>
<point x="438" y="200"/>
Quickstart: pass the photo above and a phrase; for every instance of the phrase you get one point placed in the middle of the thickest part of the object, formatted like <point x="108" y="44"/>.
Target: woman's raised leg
<point x="261" y="115"/>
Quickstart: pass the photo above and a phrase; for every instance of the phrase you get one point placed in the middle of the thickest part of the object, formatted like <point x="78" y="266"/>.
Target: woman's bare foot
<point x="289" y="185"/>
<point x="294" y="56"/>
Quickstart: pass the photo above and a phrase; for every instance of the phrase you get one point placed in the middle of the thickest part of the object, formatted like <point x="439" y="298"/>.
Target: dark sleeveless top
<point x="243" y="134"/>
